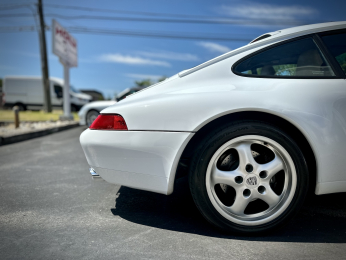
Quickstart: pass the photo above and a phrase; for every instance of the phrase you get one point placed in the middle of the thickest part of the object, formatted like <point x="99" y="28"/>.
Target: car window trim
<point x="329" y="57"/>
<point x="337" y="31"/>
<point x="337" y="75"/>
<point x="334" y="62"/>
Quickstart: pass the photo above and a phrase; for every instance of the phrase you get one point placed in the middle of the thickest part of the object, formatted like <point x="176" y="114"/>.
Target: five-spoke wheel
<point x="251" y="179"/>
<point x="248" y="177"/>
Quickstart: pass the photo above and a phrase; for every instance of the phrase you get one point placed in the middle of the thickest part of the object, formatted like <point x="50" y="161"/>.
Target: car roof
<point x="316" y="27"/>
<point x="310" y="28"/>
<point x="274" y="37"/>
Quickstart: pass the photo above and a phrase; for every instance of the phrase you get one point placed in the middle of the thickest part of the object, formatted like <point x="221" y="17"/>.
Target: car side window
<point x="336" y="44"/>
<point x="300" y="58"/>
<point x="58" y="91"/>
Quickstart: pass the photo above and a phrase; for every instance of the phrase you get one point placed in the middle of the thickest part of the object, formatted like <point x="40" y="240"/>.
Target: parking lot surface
<point x="51" y="208"/>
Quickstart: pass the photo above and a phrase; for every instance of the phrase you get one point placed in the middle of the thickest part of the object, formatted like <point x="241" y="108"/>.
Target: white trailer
<point x="27" y="93"/>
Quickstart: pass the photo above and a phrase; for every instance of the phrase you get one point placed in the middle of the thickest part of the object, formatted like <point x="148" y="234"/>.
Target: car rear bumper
<point x="139" y="159"/>
<point x="82" y="120"/>
<point x="81" y="115"/>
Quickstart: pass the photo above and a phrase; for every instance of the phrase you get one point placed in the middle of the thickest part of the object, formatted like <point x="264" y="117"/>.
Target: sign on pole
<point x="65" y="47"/>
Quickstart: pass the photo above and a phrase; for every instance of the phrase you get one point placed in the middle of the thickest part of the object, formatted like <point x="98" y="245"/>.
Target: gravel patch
<point x="8" y="129"/>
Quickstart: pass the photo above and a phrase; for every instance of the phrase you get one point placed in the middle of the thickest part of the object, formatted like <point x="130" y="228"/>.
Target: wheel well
<point x="293" y="131"/>
<point x="21" y="104"/>
<point x="92" y="109"/>
<point x="86" y="114"/>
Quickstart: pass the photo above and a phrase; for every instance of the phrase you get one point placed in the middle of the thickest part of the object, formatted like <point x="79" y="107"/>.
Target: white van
<point x="27" y="93"/>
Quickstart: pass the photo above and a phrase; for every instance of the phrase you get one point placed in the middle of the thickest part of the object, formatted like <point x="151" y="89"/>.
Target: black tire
<point x="74" y="108"/>
<point x="204" y="153"/>
<point x="91" y="116"/>
<point x="20" y="106"/>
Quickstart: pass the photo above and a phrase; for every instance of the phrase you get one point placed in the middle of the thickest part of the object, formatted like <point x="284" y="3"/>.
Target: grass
<point x="8" y="115"/>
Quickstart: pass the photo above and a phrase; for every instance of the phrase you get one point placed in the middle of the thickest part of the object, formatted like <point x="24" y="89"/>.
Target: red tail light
<point x="109" y="122"/>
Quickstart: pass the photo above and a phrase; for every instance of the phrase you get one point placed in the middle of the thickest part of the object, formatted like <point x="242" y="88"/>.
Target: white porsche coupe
<point x="254" y="129"/>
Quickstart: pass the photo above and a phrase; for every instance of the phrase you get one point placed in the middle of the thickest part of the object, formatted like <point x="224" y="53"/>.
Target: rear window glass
<point x="300" y="58"/>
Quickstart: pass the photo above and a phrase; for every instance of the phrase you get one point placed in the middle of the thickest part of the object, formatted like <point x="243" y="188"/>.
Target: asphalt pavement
<point x="51" y="208"/>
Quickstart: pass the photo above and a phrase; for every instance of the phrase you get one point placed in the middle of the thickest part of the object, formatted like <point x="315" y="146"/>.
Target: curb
<point x="27" y="136"/>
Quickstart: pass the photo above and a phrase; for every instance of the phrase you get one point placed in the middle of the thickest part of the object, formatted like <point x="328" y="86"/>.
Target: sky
<point x="112" y="62"/>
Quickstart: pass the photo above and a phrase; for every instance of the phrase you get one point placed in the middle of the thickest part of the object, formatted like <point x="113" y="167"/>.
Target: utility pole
<point x="44" y="61"/>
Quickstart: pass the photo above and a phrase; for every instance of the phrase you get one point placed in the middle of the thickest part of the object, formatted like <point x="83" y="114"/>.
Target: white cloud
<point x="133" y="60"/>
<point x="252" y="10"/>
<point x="144" y="76"/>
<point x="214" y="47"/>
<point x="170" y="55"/>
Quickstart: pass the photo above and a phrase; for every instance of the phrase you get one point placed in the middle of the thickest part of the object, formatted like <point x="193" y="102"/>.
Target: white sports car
<point x="255" y="129"/>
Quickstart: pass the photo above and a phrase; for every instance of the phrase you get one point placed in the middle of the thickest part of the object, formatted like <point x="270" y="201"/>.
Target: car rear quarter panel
<point x="315" y="106"/>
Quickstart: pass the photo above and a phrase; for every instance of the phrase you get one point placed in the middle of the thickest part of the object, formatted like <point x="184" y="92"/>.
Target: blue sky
<point x="111" y="63"/>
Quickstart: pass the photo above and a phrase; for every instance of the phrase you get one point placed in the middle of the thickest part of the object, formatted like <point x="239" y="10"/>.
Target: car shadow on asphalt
<point x="321" y="220"/>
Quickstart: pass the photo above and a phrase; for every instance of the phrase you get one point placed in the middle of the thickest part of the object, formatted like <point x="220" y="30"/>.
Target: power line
<point x="14" y="6"/>
<point x="15" y="15"/>
<point x="81" y="8"/>
<point x="73" y="7"/>
<point x="190" y="18"/>
<point x="162" y="20"/>
<point x="187" y="36"/>
<point x="141" y="13"/>
<point x="103" y="31"/>
<point x="24" y="28"/>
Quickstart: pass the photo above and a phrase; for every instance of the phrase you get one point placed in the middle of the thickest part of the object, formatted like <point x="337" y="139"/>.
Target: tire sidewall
<point x="89" y="114"/>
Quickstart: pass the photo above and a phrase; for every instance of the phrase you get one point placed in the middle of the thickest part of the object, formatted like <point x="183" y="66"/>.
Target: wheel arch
<point x="89" y="110"/>
<point x="20" y="103"/>
<point x="296" y="134"/>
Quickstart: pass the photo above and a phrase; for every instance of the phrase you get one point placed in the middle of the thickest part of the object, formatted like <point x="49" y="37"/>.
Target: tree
<point x="342" y="61"/>
<point x="143" y="83"/>
<point x="161" y="79"/>
<point x="148" y="82"/>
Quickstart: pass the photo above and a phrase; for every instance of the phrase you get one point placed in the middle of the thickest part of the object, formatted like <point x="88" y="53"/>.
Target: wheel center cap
<point x="252" y="181"/>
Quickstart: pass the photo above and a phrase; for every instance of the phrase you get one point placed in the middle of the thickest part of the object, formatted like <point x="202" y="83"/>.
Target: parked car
<point x="89" y="112"/>
<point x="128" y="91"/>
<point x="27" y="93"/>
<point x="255" y="130"/>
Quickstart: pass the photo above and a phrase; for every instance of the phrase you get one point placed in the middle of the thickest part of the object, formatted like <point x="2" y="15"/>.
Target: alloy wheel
<point x="251" y="180"/>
